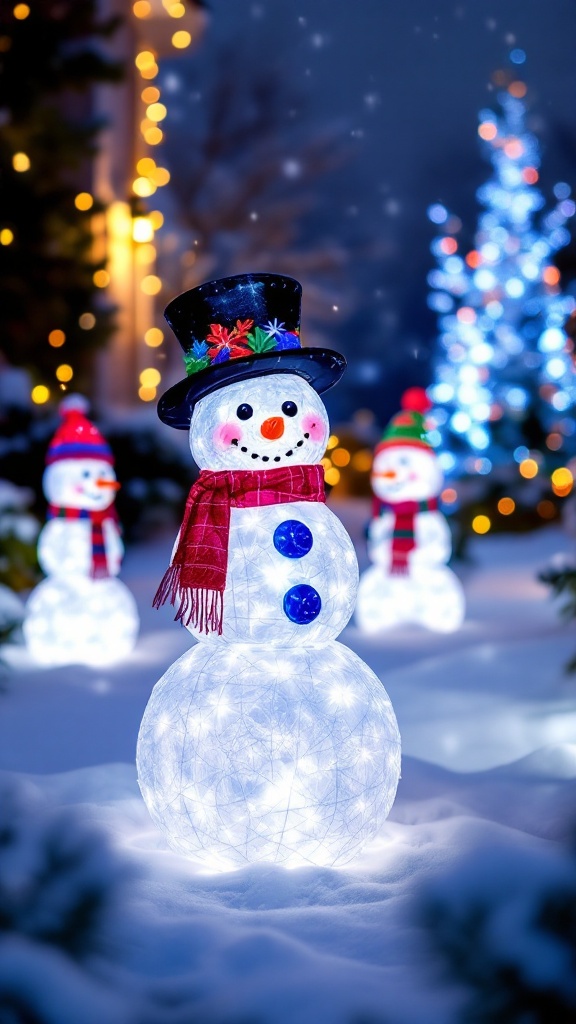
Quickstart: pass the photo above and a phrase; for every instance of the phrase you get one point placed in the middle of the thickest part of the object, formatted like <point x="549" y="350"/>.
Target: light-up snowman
<point x="268" y="740"/>
<point x="80" y="613"/>
<point x="409" y="539"/>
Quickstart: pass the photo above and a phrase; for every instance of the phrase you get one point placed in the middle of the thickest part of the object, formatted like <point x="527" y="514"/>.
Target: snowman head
<point x="405" y="467"/>
<point x="406" y="473"/>
<point x="80" y="483"/>
<point x="259" y="423"/>
<point x="79" y="463"/>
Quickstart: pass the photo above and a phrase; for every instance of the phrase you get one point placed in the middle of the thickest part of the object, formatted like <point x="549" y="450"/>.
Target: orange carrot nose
<point x="107" y="483"/>
<point x="272" y="428"/>
<point x="388" y="475"/>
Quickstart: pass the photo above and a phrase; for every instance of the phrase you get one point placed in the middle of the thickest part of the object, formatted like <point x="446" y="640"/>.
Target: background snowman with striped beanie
<point x="409" y="539"/>
<point x="80" y="613"/>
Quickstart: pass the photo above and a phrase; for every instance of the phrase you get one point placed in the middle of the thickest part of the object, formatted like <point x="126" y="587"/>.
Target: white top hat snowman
<point x="268" y="740"/>
<point x="257" y="428"/>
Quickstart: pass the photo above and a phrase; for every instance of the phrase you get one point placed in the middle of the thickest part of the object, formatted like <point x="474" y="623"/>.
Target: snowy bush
<point x="18" y="535"/>
<point x="505" y="921"/>
<point x="560" y="576"/>
<point x="58" y="883"/>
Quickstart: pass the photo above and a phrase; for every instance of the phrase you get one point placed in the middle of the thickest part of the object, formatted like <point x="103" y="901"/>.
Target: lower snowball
<point x="77" y="620"/>
<point x="249" y="755"/>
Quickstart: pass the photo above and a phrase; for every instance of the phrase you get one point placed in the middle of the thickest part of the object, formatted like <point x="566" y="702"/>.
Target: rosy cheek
<point x="413" y="476"/>
<point x="313" y="426"/>
<point x="225" y="434"/>
<point x="79" y="489"/>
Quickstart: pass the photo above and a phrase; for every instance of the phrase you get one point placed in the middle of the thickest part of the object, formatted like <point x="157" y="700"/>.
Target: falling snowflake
<point x="292" y="168"/>
<point x="372" y="100"/>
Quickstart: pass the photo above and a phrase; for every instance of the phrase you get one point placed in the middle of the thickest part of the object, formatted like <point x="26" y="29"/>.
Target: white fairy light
<point x="290" y="774"/>
<point x="76" y="620"/>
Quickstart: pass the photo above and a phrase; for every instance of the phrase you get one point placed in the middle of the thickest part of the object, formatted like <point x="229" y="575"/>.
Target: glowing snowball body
<point x="428" y="593"/>
<point x="71" y="617"/>
<point x="271" y="741"/>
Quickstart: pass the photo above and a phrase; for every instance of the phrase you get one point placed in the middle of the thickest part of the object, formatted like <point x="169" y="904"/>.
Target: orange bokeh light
<point x="518" y="89"/>
<point x="449" y="495"/>
<point x="448" y="246"/>
<point x="554" y="441"/>
<point x="528" y="468"/>
<point x="551" y="275"/>
<point x="513" y="149"/>
<point x="466" y="315"/>
<point x="487" y="131"/>
<point x="530" y="175"/>
<point x="473" y="259"/>
<point x="506" y="506"/>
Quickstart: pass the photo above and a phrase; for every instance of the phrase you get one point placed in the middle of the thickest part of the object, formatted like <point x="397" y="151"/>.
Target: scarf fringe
<point x="399" y="569"/>
<point x="202" y="607"/>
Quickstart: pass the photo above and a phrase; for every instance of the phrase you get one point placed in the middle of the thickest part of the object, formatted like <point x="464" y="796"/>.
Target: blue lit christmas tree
<point x="504" y="382"/>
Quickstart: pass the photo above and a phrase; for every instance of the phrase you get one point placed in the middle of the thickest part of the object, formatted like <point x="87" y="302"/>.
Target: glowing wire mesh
<point x="290" y="756"/>
<point x="271" y="742"/>
<point x="429" y="596"/>
<point x="76" y="620"/>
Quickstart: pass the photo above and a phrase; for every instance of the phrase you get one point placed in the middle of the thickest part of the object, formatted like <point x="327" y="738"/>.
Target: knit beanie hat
<point x="408" y="427"/>
<point x="77" y="437"/>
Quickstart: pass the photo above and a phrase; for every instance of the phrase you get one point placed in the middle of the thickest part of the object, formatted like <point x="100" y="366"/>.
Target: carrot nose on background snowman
<point x="272" y="428"/>
<point x="390" y="474"/>
<point x="108" y="483"/>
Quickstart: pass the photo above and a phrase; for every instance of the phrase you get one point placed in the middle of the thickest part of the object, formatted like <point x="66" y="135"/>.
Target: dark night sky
<point x="402" y="83"/>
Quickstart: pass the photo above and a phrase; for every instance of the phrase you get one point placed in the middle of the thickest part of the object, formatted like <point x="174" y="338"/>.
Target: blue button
<point x="292" y="539"/>
<point x="302" y="604"/>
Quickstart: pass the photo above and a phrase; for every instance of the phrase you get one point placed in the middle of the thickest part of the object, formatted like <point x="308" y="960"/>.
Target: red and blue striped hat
<point x="77" y="437"/>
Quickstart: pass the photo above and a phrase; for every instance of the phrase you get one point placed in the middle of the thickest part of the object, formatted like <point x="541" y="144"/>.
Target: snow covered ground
<point x="488" y="724"/>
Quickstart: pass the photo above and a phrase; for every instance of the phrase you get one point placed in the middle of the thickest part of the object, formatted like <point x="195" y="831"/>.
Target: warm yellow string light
<point x="149" y="176"/>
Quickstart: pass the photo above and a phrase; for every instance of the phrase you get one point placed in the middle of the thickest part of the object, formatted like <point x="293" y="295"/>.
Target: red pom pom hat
<point x="77" y="437"/>
<point x="407" y="428"/>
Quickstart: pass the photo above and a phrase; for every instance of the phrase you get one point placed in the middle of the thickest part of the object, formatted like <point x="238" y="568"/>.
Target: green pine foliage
<point x="57" y="877"/>
<point x="562" y="581"/>
<point x="503" y="920"/>
<point x="49" y="63"/>
<point x="62" y="888"/>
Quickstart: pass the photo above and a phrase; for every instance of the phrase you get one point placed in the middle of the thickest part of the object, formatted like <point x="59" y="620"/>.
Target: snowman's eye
<point x="244" y="411"/>
<point x="86" y="473"/>
<point x="289" y="408"/>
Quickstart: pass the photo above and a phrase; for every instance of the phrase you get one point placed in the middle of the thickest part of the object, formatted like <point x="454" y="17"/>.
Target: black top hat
<point x="239" y="327"/>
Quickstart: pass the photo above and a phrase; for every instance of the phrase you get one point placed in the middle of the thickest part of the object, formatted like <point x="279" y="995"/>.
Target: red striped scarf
<point x="196" y="578"/>
<point x="99" y="568"/>
<point x="403" y="540"/>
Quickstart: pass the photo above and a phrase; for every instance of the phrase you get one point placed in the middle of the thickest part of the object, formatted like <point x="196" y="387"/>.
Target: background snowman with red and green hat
<point x="268" y="740"/>
<point x="80" y="613"/>
<point x="409" y="539"/>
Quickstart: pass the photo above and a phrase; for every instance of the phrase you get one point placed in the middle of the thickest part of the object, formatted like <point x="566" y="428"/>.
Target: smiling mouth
<point x="94" y="495"/>
<point x="269" y="458"/>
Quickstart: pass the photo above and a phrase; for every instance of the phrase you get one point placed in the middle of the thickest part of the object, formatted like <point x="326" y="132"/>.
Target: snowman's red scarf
<point x="99" y="562"/>
<point x="196" y="577"/>
<point x="403" y="540"/>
